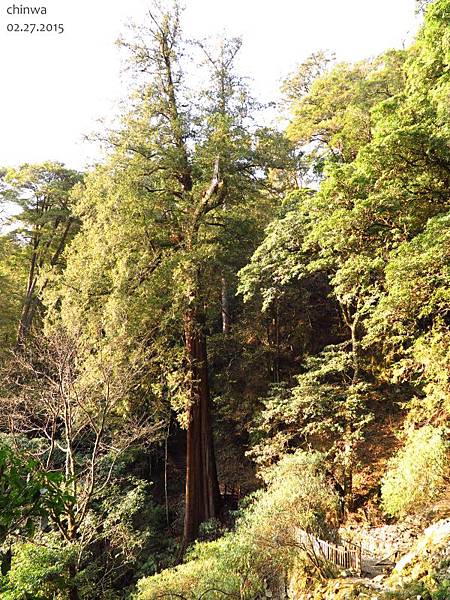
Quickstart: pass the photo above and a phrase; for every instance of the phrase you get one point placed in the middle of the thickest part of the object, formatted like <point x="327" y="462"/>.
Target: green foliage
<point x="347" y="301"/>
<point x="42" y="192"/>
<point x="132" y="528"/>
<point x="418" y="589"/>
<point x="124" y="522"/>
<point x="411" y="590"/>
<point x="418" y="279"/>
<point x="443" y="592"/>
<point x="39" y="572"/>
<point x="378" y="227"/>
<point x="26" y="492"/>
<point x="264" y="544"/>
<point x="280" y="258"/>
<point x="13" y="275"/>
<point x="326" y="409"/>
<point x="214" y="568"/>
<point x="210" y="530"/>
<point x="417" y="473"/>
<point x="335" y="113"/>
<point x="41" y="229"/>
<point x="416" y="305"/>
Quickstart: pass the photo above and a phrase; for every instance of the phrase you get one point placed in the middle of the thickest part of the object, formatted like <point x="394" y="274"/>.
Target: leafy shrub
<point x="210" y="530"/>
<point x="264" y="544"/>
<point x="119" y="541"/>
<point x="417" y="589"/>
<point x="26" y="491"/>
<point x="214" y="568"/>
<point x="38" y="572"/>
<point x="412" y="590"/>
<point x="416" y="474"/>
<point x="443" y="593"/>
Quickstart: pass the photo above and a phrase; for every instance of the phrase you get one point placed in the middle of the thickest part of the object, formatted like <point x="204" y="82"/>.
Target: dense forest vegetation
<point x="227" y="333"/>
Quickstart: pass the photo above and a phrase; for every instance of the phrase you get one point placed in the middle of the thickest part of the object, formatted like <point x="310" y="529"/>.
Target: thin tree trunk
<point x="31" y="301"/>
<point x="202" y="501"/>
<point x="26" y="317"/>
<point x="166" y="495"/>
<point x="226" y="320"/>
<point x="348" y="469"/>
<point x="28" y="309"/>
<point x="73" y="591"/>
<point x="349" y="451"/>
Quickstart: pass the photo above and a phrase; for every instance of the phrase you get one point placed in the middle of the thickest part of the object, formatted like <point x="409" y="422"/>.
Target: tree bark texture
<point x="226" y="320"/>
<point x="202" y="501"/>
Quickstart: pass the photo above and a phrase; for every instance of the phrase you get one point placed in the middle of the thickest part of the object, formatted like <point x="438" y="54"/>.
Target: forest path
<point x="347" y="556"/>
<point x="373" y="566"/>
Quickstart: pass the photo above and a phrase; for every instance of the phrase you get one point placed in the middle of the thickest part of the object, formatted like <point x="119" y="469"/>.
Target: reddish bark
<point x="202" y="500"/>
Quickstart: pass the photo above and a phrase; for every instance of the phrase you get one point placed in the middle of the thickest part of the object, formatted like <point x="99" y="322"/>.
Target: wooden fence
<point x="346" y="556"/>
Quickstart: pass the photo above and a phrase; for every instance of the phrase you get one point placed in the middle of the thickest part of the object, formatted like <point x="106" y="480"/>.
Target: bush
<point x="413" y="590"/>
<point x="443" y="592"/>
<point x="264" y="544"/>
<point x="416" y="474"/>
<point x="38" y="572"/>
<point x="417" y="589"/>
<point x="26" y="491"/>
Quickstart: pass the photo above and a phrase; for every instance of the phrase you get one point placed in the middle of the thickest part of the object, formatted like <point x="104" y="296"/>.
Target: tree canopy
<point x="226" y="340"/>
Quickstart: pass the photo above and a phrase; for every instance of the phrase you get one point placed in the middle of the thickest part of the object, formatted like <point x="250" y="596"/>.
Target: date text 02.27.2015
<point x="35" y="27"/>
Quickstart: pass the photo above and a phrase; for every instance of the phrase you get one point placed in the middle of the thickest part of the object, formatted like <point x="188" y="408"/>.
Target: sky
<point x="56" y="87"/>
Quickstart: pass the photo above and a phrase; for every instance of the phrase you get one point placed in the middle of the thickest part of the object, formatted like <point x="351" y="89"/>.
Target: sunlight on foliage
<point x="417" y="473"/>
<point x="264" y="544"/>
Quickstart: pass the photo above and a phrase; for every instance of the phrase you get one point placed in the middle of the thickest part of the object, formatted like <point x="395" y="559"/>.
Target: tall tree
<point x="156" y="220"/>
<point x="44" y="225"/>
<point x="382" y="128"/>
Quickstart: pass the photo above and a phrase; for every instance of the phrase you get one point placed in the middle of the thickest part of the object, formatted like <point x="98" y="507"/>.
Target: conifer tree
<point x="185" y="167"/>
<point x="45" y="224"/>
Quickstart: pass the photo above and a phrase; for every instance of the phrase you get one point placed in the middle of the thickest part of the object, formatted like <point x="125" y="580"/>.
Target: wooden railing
<point x="346" y="556"/>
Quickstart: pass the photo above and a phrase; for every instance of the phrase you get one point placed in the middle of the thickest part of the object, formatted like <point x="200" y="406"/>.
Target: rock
<point x="385" y="541"/>
<point x="378" y="579"/>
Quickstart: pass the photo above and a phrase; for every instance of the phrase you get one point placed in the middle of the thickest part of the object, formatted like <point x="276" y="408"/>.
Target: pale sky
<point x="56" y="86"/>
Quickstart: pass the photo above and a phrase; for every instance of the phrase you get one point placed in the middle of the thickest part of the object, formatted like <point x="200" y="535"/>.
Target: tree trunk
<point x="348" y="460"/>
<point x="73" y="590"/>
<point x="202" y="500"/>
<point x="353" y="323"/>
<point x="26" y="317"/>
<point x="226" y="320"/>
<point x="29" y="301"/>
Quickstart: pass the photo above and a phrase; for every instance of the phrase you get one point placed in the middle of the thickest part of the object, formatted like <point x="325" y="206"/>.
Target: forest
<point x="226" y="346"/>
